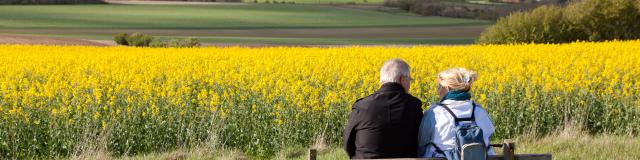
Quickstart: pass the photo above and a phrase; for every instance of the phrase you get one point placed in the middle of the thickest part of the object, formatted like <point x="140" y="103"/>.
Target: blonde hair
<point x="458" y="79"/>
<point x="392" y="70"/>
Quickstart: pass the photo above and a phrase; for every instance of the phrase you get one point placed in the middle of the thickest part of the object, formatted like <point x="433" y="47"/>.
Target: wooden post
<point x="313" y="153"/>
<point x="508" y="150"/>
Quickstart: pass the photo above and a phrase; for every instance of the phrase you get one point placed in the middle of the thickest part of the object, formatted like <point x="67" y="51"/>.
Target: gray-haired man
<point x="385" y="124"/>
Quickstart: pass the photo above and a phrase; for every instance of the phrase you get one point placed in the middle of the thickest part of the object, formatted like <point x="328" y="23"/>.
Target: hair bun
<point x="457" y="78"/>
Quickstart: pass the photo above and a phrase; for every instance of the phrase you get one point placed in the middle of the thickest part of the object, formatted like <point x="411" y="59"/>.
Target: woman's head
<point x="396" y="71"/>
<point x="457" y="79"/>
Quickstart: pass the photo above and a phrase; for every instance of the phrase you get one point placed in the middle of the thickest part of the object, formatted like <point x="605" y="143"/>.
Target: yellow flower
<point x="76" y="83"/>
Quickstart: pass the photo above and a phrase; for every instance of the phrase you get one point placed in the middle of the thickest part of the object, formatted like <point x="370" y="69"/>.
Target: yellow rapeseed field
<point x="54" y="98"/>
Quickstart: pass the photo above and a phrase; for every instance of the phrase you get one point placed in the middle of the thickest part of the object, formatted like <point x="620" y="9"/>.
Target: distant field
<point x="241" y="23"/>
<point x="306" y="36"/>
<point x="219" y="16"/>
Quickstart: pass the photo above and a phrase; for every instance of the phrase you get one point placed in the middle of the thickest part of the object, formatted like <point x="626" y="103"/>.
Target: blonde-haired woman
<point x="437" y="135"/>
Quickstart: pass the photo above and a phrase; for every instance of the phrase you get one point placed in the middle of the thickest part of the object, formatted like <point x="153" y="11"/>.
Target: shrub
<point x="402" y="4"/>
<point x="541" y="25"/>
<point x="143" y="40"/>
<point x="139" y="39"/>
<point x="598" y="20"/>
<point x="121" y="38"/>
<point x="159" y="43"/>
<point x="461" y="8"/>
<point x="184" y="42"/>
<point x="586" y="20"/>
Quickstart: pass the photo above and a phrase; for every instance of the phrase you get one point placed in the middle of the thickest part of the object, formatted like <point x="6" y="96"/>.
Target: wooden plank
<point x="408" y="159"/>
<point x="508" y="150"/>
<point x="524" y="157"/>
<point x="496" y="157"/>
<point x="313" y="154"/>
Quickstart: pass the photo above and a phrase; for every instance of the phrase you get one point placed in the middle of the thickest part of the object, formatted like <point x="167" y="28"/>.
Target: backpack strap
<point x="456" y="119"/>
<point x="438" y="150"/>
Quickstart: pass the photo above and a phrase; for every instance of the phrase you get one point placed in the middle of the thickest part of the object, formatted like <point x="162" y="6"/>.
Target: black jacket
<point x="384" y="125"/>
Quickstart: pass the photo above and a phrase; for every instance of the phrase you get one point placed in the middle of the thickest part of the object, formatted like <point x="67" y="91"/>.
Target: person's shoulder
<point x="477" y="104"/>
<point x="438" y="110"/>
<point x="362" y="101"/>
<point x="480" y="111"/>
<point x="479" y="108"/>
<point x="434" y="107"/>
<point x="414" y="99"/>
<point x="358" y="101"/>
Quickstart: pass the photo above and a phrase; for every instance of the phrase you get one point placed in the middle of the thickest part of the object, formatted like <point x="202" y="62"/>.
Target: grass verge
<point x="561" y="146"/>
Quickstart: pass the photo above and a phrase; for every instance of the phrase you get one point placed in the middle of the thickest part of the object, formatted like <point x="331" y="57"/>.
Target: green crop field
<point x="209" y="16"/>
<point x="239" y="23"/>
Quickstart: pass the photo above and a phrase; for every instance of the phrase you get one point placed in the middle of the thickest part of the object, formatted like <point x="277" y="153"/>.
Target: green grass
<point x="244" y="15"/>
<point x="583" y="147"/>
<point x="229" y="16"/>
<point x="560" y="146"/>
<point x="376" y="2"/>
<point x="336" y="41"/>
<point x="299" y="41"/>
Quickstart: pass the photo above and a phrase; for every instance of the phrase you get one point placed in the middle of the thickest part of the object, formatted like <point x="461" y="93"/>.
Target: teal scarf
<point x="457" y="95"/>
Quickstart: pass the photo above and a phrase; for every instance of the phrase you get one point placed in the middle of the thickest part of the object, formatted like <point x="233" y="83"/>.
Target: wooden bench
<point x="508" y="153"/>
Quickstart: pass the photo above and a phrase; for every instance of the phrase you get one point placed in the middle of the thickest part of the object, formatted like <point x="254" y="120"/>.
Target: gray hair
<point x="392" y="70"/>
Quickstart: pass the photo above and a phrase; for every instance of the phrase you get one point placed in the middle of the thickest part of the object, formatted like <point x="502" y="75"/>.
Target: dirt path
<point x="43" y="40"/>
<point x="380" y="32"/>
<point x="40" y="40"/>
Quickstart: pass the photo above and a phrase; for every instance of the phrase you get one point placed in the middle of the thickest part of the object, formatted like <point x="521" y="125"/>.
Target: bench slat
<point x="497" y="157"/>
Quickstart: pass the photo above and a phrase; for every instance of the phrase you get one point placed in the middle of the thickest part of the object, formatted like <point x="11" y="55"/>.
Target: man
<point x="385" y="124"/>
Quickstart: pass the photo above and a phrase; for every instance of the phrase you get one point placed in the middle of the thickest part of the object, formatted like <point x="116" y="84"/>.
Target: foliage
<point x="541" y="25"/>
<point x="158" y="43"/>
<point x="139" y="39"/>
<point x="487" y="10"/>
<point x="585" y="20"/>
<point x="261" y="100"/>
<point x="184" y="42"/>
<point x="121" y="39"/>
<point x="600" y="20"/>
<point x="143" y="40"/>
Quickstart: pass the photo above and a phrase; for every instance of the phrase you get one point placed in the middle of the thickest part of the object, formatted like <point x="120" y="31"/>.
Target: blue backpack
<point x="469" y="139"/>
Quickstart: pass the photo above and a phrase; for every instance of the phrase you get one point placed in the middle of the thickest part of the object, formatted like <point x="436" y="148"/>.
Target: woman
<point x="437" y="130"/>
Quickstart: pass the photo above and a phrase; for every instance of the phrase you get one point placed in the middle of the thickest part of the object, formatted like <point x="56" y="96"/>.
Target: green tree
<point x="541" y="25"/>
<point x="585" y="20"/>
<point x="598" y="20"/>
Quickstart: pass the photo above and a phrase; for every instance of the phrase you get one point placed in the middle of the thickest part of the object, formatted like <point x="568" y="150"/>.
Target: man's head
<point x="396" y="71"/>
